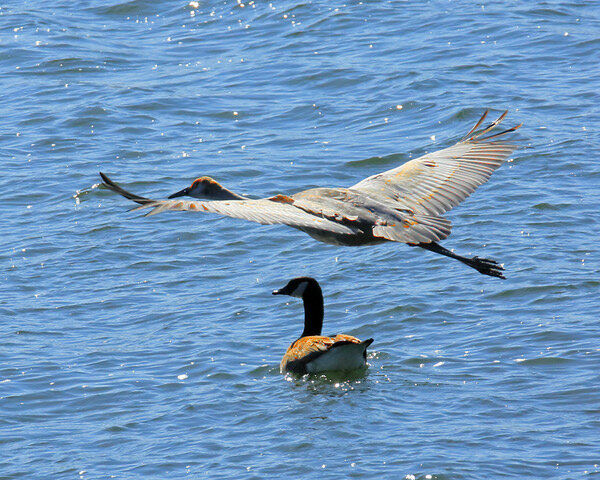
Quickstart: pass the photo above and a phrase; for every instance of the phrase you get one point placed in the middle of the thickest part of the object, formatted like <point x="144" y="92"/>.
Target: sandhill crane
<point x="404" y="204"/>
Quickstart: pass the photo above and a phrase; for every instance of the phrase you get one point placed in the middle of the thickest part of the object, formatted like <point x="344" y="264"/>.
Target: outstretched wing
<point x="436" y="182"/>
<point x="266" y="211"/>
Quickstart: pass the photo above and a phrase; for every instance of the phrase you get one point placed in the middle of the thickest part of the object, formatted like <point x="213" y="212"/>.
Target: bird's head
<point x="298" y="287"/>
<point x="204" y="187"/>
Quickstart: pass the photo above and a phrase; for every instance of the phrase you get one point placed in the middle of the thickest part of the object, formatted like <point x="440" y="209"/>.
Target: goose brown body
<point x="307" y="349"/>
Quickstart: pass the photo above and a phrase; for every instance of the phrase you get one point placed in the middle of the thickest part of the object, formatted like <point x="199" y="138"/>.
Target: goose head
<point x="299" y="287"/>
<point x="207" y="188"/>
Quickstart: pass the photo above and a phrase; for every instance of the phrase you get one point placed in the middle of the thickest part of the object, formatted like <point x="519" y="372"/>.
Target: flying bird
<point x="312" y="352"/>
<point x="405" y="204"/>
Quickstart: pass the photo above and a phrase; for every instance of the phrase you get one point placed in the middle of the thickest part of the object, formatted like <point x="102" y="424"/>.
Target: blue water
<point x="140" y="347"/>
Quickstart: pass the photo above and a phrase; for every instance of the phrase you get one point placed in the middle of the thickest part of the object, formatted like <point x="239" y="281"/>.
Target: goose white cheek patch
<point x="300" y="290"/>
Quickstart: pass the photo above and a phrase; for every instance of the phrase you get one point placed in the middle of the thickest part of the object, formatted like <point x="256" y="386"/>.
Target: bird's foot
<point x="487" y="267"/>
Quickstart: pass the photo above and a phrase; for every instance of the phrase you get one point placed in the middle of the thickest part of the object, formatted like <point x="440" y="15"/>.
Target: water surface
<point x="149" y="347"/>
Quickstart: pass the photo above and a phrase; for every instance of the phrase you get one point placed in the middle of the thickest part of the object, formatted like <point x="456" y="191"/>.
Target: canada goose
<point x="312" y="352"/>
<point x="404" y="204"/>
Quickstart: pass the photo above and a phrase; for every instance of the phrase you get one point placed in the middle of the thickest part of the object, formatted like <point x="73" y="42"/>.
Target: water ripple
<point x="149" y="347"/>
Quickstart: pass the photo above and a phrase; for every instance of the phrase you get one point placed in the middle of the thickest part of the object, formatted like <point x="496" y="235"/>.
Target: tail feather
<point x="415" y="229"/>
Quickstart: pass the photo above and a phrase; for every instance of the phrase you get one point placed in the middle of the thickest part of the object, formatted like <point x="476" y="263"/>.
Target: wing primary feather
<point x="480" y="121"/>
<point x="108" y="183"/>
<point x="491" y="126"/>
<point x="496" y="135"/>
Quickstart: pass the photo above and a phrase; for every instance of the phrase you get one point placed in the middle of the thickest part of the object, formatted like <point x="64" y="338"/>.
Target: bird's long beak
<point x="277" y="292"/>
<point x="181" y="193"/>
<point x="281" y="291"/>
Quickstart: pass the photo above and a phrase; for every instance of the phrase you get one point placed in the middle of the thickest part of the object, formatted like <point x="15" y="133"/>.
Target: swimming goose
<point x="312" y="352"/>
<point x="404" y="204"/>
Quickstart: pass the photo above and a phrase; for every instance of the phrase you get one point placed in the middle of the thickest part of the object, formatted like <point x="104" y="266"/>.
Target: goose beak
<point x="181" y="193"/>
<point x="282" y="291"/>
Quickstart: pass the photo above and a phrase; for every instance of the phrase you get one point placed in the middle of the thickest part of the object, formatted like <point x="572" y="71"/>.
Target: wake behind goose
<point x="404" y="204"/>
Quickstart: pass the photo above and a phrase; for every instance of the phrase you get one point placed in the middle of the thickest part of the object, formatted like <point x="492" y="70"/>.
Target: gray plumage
<point x="404" y="204"/>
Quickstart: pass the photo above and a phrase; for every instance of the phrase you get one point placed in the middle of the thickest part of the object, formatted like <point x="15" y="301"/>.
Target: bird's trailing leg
<point x="482" y="265"/>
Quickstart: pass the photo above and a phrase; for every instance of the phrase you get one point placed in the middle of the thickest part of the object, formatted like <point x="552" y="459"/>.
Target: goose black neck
<point x="313" y="310"/>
